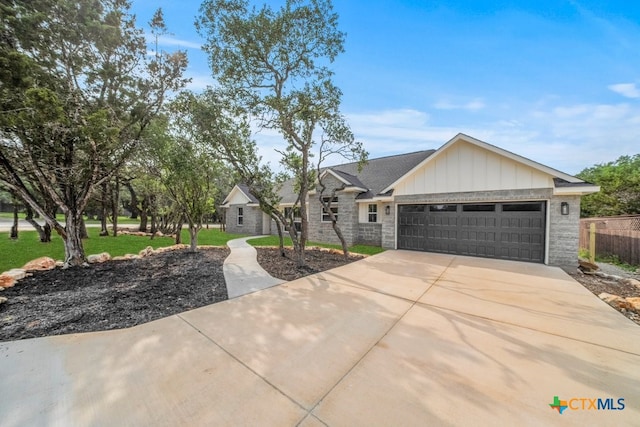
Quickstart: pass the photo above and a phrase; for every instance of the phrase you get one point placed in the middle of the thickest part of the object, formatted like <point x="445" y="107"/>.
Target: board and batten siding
<point x="466" y="167"/>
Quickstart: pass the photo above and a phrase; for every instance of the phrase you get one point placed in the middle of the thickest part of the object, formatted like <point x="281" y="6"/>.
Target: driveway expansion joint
<point x="208" y="338"/>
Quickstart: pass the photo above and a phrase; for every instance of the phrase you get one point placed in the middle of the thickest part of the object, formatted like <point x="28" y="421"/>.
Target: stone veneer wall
<point x="347" y="215"/>
<point x="564" y="233"/>
<point x="252" y="223"/>
<point x="369" y="233"/>
<point x="563" y="230"/>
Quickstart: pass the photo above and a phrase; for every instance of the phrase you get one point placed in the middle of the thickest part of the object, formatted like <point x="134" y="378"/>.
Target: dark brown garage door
<point x="495" y="230"/>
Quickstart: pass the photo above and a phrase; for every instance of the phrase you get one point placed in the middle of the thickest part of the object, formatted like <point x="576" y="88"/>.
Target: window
<point x="443" y="208"/>
<point x="412" y="208"/>
<point x="334" y="208"/>
<point x="373" y="213"/>
<point x="522" y="207"/>
<point x="240" y="216"/>
<point x="478" y="208"/>
<point x="297" y="218"/>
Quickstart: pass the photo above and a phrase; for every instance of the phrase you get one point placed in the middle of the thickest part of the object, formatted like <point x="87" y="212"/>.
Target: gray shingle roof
<point x="375" y="176"/>
<point x="380" y="173"/>
<point x="247" y="193"/>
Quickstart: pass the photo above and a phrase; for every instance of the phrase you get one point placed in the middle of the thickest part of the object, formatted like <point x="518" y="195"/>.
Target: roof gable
<point x="239" y="195"/>
<point x="515" y="167"/>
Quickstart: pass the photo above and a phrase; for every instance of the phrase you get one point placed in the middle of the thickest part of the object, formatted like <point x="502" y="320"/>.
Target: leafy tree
<point x="619" y="183"/>
<point x="188" y="171"/>
<point x="275" y="64"/>
<point x="224" y="129"/>
<point x="77" y="89"/>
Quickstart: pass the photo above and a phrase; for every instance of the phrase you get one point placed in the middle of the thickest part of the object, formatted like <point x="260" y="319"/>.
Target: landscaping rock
<point x="616" y="301"/>
<point x="59" y="264"/>
<point x="103" y="257"/>
<point x="6" y="281"/>
<point x="42" y="263"/>
<point x="635" y="303"/>
<point x="9" y="278"/>
<point x="171" y="248"/>
<point x="146" y="252"/>
<point x="3" y="300"/>
<point x="587" y="267"/>
<point x="632" y="282"/>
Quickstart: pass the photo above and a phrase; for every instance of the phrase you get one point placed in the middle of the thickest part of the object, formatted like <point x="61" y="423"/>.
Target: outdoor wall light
<point x="564" y="208"/>
<point x="387" y="210"/>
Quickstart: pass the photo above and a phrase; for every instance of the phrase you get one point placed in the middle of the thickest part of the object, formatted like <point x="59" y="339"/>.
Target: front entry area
<point x="508" y="230"/>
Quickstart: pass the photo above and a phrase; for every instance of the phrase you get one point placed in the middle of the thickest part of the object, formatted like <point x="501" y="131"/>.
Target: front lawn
<point x="16" y="253"/>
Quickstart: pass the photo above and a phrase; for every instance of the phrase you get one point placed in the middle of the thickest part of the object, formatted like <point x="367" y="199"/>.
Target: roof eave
<point x="581" y="190"/>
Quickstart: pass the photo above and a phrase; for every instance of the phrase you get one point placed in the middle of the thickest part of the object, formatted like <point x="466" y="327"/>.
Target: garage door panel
<point x="500" y="230"/>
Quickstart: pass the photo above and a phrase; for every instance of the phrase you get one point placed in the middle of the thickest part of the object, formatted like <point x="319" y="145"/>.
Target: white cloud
<point x="473" y="105"/>
<point x="199" y="82"/>
<point x="173" y="41"/>
<point x="628" y="90"/>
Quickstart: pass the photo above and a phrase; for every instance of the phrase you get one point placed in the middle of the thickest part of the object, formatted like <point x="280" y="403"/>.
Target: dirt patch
<point x="285" y="268"/>
<point x="112" y="295"/>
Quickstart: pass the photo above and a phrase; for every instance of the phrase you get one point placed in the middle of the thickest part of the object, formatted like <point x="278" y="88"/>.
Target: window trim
<point x="373" y="213"/>
<point x="240" y="216"/>
<point x="334" y="209"/>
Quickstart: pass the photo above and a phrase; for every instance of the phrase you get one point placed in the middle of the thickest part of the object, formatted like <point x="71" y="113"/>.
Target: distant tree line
<point x="620" y="188"/>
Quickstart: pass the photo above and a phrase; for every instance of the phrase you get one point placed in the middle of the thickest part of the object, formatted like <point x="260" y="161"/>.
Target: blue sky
<point x="555" y="81"/>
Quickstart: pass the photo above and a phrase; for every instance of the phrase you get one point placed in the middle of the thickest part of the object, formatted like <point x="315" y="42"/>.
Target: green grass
<point x="16" y="253"/>
<point x="274" y="241"/>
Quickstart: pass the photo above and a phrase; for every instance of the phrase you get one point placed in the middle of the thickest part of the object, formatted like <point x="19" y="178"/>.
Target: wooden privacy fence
<point x="615" y="235"/>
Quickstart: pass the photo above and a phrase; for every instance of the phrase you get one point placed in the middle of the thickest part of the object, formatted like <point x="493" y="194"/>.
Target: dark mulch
<point x="121" y="294"/>
<point x="112" y="295"/>
<point x="285" y="268"/>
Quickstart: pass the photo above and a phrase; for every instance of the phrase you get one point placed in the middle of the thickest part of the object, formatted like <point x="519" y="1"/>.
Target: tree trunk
<point x="44" y="232"/>
<point x="14" y="228"/>
<point x="193" y="234"/>
<point x="334" y="221"/>
<point x="73" y="249"/>
<point x="280" y="236"/>
<point x="133" y="205"/>
<point x="103" y="209"/>
<point x="178" y="239"/>
<point x="115" y="202"/>
<point x="154" y="218"/>
<point x="83" y="228"/>
<point x="144" y="215"/>
<point x="343" y="242"/>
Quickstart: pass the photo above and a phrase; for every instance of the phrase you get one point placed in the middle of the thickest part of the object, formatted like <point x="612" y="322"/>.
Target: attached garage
<point x="506" y="230"/>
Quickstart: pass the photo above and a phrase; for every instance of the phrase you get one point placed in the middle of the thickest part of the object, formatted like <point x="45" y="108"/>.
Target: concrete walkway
<point x="400" y="338"/>
<point x="242" y="273"/>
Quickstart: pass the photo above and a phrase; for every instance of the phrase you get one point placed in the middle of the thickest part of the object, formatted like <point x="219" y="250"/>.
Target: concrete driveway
<point x="401" y="338"/>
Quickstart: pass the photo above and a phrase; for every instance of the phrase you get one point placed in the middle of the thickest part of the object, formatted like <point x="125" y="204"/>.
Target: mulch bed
<point x="285" y="268"/>
<point x="113" y="294"/>
<point x="121" y="294"/>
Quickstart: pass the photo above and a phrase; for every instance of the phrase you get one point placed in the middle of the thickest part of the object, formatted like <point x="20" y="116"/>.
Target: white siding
<point x="466" y="167"/>
<point x="363" y="211"/>
<point x="237" y="198"/>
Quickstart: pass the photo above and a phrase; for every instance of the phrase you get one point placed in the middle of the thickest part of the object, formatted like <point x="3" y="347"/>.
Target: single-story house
<point x="468" y="197"/>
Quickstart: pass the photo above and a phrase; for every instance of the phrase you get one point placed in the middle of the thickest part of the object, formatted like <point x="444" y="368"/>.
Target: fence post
<point x="592" y="243"/>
